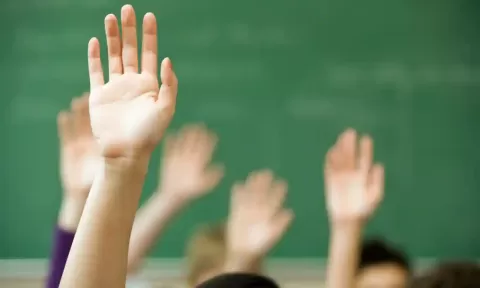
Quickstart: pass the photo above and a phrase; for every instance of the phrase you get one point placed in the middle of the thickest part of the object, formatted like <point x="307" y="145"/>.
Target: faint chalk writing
<point x="401" y="75"/>
<point x="69" y="70"/>
<point x="196" y="71"/>
<point x="312" y="107"/>
<point x="39" y="42"/>
<point x="29" y="109"/>
<point x="235" y="34"/>
<point x="309" y="108"/>
<point x="39" y="4"/>
<point x="220" y="110"/>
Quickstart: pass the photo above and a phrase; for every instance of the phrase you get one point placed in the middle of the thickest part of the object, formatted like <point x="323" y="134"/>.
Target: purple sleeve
<point x="62" y="243"/>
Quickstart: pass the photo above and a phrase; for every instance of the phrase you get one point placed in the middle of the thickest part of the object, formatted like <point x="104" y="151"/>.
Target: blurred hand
<point x="79" y="161"/>
<point x="257" y="219"/>
<point x="78" y="149"/>
<point x="354" y="187"/>
<point x="130" y="113"/>
<point x="186" y="171"/>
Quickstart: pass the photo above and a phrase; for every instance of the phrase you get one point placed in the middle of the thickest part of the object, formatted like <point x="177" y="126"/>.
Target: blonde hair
<point x="206" y="252"/>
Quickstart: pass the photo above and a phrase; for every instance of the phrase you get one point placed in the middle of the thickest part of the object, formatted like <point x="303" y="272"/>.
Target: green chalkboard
<point x="277" y="80"/>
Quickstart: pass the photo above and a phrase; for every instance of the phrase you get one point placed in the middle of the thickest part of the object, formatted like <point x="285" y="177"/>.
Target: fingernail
<point x="168" y="63"/>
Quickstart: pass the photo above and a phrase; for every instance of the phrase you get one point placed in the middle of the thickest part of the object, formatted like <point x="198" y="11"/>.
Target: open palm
<point x="130" y="113"/>
<point x="78" y="149"/>
<point x="186" y="167"/>
<point x="258" y="218"/>
<point x="354" y="187"/>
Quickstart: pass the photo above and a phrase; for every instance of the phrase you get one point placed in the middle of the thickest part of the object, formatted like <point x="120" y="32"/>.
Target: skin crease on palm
<point x="382" y="276"/>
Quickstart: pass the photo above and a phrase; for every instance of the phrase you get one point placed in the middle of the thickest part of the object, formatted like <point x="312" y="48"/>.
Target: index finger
<point x="149" y="45"/>
<point x="95" y="70"/>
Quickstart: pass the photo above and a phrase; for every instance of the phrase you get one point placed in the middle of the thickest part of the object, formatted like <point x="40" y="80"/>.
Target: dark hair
<point x="450" y="275"/>
<point x="377" y="252"/>
<point x="239" y="280"/>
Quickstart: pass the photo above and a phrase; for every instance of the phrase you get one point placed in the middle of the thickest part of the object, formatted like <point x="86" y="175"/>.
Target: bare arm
<point x="343" y="255"/>
<point x="129" y="116"/>
<point x="185" y="175"/>
<point x="354" y="188"/>
<point x="99" y="252"/>
<point x="78" y="153"/>
<point x="78" y="158"/>
<point x="150" y="222"/>
<point x="257" y="221"/>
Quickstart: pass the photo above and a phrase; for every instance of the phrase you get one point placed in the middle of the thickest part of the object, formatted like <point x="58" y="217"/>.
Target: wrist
<point x="70" y="213"/>
<point x="167" y="205"/>
<point x="347" y="224"/>
<point x="347" y="229"/>
<point x="241" y="264"/>
<point x="134" y="166"/>
<point x="174" y="196"/>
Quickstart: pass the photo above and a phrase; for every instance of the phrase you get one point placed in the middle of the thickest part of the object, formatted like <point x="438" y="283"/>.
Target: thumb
<point x="167" y="95"/>
<point x="213" y="176"/>
<point x="169" y="88"/>
<point x="65" y="127"/>
<point x="280" y="224"/>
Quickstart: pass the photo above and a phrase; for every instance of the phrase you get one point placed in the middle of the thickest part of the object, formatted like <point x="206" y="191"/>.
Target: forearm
<point x="99" y="253"/>
<point x="70" y="213"/>
<point x="68" y="219"/>
<point x="241" y="264"/>
<point x="150" y="222"/>
<point x="344" y="248"/>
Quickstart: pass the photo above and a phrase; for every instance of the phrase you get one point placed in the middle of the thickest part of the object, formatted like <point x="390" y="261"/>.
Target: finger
<point x="81" y="117"/>
<point x="211" y="140"/>
<point x="80" y="104"/>
<point x="206" y="146"/>
<point x="237" y="197"/>
<point x="365" y="158"/>
<point x="129" y="36"/>
<point x="280" y="224"/>
<point x="329" y="164"/>
<point x="376" y="184"/>
<point x="169" y="145"/>
<point x="191" y="137"/>
<point x="168" y="90"/>
<point x="335" y="159"/>
<point x="114" y="44"/>
<point x="347" y="147"/>
<point x="213" y="176"/>
<point x="203" y="145"/>
<point x="167" y="95"/>
<point x="74" y="104"/>
<point x="95" y="70"/>
<point x="64" y="126"/>
<point x="277" y="196"/>
<point x="149" y="45"/>
<point x="259" y="183"/>
<point x="184" y="137"/>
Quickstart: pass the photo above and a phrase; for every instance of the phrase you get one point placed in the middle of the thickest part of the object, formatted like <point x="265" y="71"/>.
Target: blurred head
<point x="382" y="266"/>
<point x="450" y="275"/>
<point x="206" y="252"/>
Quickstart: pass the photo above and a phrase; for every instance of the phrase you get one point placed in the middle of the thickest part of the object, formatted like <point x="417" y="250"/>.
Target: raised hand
<point x="354" y="186"/>
<point x="186" y="172"/>
<point x="78" y="149"/>
<point x="130" y="113"/>
<point x="79" y="160"/>
<point x="257" y="219"/>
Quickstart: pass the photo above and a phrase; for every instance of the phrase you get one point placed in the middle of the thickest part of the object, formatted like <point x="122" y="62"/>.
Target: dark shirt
<point x="61" y="247"/>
